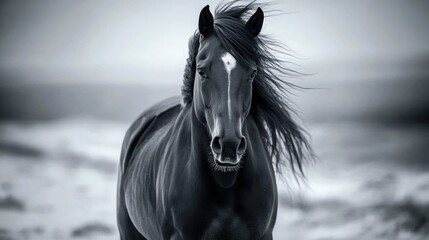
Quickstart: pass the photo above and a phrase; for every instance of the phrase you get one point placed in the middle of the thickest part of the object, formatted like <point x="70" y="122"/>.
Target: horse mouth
<point x="226" y="164"/>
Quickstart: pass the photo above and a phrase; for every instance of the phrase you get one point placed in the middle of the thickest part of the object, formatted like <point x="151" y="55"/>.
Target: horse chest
<point x="227" y="224"/>
<point x="240" y="218"/>
<point x="211" y="223"/>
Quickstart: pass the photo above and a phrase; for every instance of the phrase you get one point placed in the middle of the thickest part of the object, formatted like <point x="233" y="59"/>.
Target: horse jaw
<point x="224" y="176"/>
<point x="225" y="179"/>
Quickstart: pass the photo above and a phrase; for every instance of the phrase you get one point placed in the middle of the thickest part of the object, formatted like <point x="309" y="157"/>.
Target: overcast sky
<point x="153" y="35"/>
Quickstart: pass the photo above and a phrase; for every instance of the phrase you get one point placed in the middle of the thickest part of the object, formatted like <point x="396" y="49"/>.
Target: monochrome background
<point x="74" y="74"/>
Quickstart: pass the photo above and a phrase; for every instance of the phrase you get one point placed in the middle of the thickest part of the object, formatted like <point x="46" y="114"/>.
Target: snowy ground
<point x="58" y="181"/>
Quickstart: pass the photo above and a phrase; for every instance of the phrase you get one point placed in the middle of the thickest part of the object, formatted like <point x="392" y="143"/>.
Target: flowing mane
<point x="286" y="140"/>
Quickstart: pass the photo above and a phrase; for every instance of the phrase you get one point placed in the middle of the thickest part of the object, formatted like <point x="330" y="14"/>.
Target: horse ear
<point x="205" y="24"/>
<point x="254" y="24"/>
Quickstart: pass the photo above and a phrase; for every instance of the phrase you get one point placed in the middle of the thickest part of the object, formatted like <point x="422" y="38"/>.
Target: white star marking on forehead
<point x="229" y="63"/>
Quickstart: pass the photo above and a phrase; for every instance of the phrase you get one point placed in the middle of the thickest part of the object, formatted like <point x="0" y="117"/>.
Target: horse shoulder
<point x="156" y="117"/>
<point x="142" y="125"/>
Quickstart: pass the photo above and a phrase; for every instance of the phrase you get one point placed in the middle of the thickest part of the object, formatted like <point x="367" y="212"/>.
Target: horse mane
<point x="286" y="140"/>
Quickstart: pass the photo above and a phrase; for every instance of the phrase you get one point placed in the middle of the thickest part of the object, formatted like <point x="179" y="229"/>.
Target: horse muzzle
<point x="228" y="151"/>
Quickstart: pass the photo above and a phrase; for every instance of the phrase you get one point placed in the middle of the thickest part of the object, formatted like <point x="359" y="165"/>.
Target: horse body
<point x="204" y="169"/>
<point x="172" y="191"/>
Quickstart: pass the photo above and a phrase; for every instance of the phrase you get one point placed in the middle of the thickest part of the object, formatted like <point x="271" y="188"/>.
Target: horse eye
<point x="202" y="74"/>
<point x="253" y="75"/>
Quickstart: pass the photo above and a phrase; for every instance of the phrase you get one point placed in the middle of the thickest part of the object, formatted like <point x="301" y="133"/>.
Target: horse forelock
<point x="286" y="140"/>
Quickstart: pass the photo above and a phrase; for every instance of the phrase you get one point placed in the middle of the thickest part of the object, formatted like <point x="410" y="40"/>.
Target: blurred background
<point x="74" y="75"/>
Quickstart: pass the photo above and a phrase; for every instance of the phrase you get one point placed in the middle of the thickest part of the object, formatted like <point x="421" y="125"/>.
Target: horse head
<point x="223" y="91"/>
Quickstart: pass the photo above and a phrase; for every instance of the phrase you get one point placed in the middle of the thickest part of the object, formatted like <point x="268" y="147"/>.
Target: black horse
<point x="204" y="169"/>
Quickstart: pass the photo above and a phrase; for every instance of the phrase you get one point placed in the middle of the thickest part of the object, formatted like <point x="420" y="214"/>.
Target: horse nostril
<point x="241" y="146"/>
<point x="216" y="145"/>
